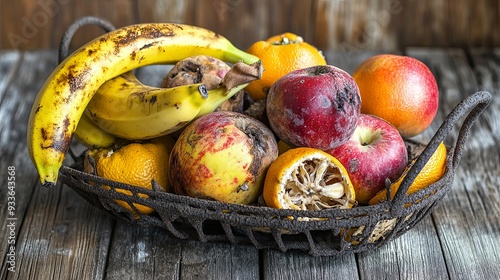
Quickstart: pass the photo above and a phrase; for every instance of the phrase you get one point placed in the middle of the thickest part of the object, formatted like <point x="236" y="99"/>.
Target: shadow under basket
<point x="319" y="233"/>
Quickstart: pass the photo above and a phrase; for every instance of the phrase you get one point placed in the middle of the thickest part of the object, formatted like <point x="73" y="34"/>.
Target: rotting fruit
<point x="280" y="55"/>
<point x="315" y="107"/>
<point x="308" y="179"/>
<point x="222" y="156"/>
<point x="135" y="164"/>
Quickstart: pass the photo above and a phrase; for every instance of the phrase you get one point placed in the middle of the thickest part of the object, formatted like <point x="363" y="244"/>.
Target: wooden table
<point x="58" y="235"/>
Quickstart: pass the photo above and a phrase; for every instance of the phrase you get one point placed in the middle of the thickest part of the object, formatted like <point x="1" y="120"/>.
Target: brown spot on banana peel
<point x="125" y="39"/>
<point x="149" y="32"/>
<point x="152" y="100"/>
<point x="57" y="143"/>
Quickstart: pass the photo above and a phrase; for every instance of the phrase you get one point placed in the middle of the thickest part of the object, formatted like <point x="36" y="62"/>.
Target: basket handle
<point x="77" y="24"/>
<point x="473" y="106"/>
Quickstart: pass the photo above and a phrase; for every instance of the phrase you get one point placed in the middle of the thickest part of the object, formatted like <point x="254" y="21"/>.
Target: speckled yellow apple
<point x="222" y="156"/>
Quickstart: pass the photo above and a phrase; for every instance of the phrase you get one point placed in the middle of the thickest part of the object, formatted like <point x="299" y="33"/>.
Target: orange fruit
<point x="307" y="179"/>
<point x="135" y="164"/>
<point x="400" y="89"/>
<point x="432" y="171"/>
<point x="280" y="55"/>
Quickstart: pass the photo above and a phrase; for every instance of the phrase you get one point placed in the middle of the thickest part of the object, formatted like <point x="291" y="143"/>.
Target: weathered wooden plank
<point x="408" y="257"/>
<point x="142" y="253"/>
<point x="467" y="220"/>
<point x="245" y="22"/>
<point x="355" y="24"/>
<point x="151" y="253"/>
<point x="218" y="261"/>
<point x="297" y="265"/>
<point x="9" y="64"/>
<point x="165" y="11"/>
<point x="486" y="67"/>
<point x="22" y="76"/>
<point x="63" y="237"/>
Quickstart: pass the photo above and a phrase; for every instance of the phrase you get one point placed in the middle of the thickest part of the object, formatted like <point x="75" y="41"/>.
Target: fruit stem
<point x="241" y="73"/>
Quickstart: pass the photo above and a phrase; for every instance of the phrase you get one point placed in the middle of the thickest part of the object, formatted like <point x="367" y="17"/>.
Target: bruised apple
<point x="374" y="153"/>
<point x="314" y="107"/>
<point x="222" y="156"/>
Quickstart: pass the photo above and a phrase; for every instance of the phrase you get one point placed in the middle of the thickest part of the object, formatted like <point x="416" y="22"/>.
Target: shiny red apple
<point x="374" y="153"/>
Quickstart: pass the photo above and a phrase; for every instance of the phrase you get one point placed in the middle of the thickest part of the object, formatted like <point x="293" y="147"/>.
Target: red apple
<point x="222" y="156"/>
<point x="375" y="152"/>
<point x="314" y="107"/>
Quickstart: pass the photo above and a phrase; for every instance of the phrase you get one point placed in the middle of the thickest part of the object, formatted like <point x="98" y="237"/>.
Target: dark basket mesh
<point x="327" y="232"/>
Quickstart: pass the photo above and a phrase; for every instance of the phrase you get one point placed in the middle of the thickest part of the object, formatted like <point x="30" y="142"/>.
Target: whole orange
<point x="432" y="171"/>
<point x="280" y="55"/>
<point x="400" y="89"/>
<point x="135" y="164"/>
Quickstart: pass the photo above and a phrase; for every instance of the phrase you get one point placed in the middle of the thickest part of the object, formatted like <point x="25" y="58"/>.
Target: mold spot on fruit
<point x="243" y="187"/>
<point x="325" y="102"/>
<point x="314" y="107"/>
<point x="222" y="156"/>
<point x="320" y="70"/>
<point x="353" y="165"/>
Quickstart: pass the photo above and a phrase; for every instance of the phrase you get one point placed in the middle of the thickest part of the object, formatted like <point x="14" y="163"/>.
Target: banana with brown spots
<point x="64" y="96"/>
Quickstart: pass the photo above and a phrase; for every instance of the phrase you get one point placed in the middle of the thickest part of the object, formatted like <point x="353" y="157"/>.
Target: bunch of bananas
<point x="94" y="95"/>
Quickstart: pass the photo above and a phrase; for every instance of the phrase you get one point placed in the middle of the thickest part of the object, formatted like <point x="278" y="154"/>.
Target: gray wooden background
<point x="345" y="25"/>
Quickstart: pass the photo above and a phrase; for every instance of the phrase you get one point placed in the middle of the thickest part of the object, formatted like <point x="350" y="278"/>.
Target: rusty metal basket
<point x="319" y="233"/>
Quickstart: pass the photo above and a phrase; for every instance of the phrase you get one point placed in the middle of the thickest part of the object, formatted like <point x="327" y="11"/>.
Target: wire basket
<point x="327" y="232"/>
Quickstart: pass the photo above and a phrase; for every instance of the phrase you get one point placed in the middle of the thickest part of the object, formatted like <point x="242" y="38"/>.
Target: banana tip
<point x="48" y="185"/>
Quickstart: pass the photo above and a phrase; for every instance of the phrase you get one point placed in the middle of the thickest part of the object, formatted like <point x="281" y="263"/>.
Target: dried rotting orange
<point x="307" y="179"/>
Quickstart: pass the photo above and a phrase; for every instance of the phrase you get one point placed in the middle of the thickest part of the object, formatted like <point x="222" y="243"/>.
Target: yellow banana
<point x="64" y="96"/>
<point x="125" y="107"/>
<point x="92" y="136"/>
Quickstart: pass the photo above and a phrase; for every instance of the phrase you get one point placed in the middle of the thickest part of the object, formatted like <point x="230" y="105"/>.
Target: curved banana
<point x="125" y="107"/>
<point x="92" y="136"/>
<point x="64" y="96"/>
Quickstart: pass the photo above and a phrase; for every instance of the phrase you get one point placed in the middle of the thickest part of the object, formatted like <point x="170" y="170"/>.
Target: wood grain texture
<point x="328" y="24"/>
<point x="215" y="261"/>
<point x="72" y="235"/>
<point x="391" y="261"/>
<point x="145" y="253"/>
<point x="15" y="104"/>
<point x="296" y="265"/>
<point x="468" y="226"/>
